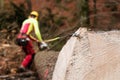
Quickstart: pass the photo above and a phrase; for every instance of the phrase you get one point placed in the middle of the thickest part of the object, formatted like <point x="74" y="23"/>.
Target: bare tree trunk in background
<point x="114" y="19"/>
<point x="95" y="13"/>
<point x="83" y="12"/>
<point x="29" y="5"/>
<point x="1" y="4"/>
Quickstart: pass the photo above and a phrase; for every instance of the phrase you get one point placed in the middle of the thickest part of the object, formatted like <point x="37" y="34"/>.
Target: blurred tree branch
<point x="29" y="5"/>
<point x="1" y="4"/>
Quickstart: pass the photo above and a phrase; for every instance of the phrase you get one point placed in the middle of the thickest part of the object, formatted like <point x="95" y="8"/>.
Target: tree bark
<point x="83" y="10"/>
<point x="45" y="62"/>
<point x="95" y="13"/>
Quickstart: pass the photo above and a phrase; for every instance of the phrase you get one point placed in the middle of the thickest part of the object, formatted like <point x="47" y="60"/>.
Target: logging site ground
<point x="11" y="57"/>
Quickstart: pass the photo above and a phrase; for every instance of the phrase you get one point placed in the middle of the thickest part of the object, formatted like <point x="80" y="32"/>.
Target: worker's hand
<point x="37" y="41"/>
<point x="42" y="46"/>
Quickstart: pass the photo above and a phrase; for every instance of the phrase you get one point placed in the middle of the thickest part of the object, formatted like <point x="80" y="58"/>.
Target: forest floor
<point x="11" y="57"/>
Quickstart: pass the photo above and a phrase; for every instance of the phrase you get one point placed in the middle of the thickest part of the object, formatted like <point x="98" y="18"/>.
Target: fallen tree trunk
<point x="94" y="56"/>
<point x="45" y="62"/>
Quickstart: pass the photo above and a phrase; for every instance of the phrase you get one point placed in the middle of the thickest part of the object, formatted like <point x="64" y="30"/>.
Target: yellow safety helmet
<point x="35" y="13"/>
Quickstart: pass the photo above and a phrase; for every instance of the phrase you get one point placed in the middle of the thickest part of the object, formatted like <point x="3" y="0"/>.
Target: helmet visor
<point x="34" y="16"/>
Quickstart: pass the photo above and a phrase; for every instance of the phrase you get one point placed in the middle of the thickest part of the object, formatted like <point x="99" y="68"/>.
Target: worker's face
<point x="33" y="16"/>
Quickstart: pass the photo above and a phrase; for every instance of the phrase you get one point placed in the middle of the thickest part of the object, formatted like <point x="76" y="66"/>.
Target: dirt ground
<point x="11" y="56"/>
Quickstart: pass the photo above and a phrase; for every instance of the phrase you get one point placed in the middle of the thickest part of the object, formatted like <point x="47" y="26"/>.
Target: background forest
<point x="60" y="17"/>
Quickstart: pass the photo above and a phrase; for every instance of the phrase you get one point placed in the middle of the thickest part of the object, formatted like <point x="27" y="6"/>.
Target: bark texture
<point x="45" y="62"/>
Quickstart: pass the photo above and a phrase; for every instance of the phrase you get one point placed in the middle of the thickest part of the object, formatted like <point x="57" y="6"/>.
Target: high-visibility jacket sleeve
<point x="37" y="30"/>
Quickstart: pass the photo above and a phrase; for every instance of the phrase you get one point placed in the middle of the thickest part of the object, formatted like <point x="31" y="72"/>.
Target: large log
<point x="96" y="56"/>
<point x="45" y="62"/>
